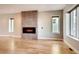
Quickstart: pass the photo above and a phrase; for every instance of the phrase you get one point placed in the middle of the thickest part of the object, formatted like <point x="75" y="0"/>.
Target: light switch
<point x="41" y="27"/>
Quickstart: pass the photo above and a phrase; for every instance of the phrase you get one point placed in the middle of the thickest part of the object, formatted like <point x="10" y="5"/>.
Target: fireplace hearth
<point x="29" y="30"/>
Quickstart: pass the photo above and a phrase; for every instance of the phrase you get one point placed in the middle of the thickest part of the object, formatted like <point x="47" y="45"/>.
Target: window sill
<point x="73" y="37"/>
<point x="56" y="32"/>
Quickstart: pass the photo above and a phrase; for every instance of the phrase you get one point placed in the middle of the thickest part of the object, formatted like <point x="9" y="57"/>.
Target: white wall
<point x="74" y="44"/>
<point x="44" y="20"/>
<point x="4" y="19"/>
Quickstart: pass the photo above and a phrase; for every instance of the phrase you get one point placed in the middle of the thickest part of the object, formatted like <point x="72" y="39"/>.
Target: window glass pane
<point x="55" y="24"/>
<point x="11" y="25"/>
<point x="73" y="23"/>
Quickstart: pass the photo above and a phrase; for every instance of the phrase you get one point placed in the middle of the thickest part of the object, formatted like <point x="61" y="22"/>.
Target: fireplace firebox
<point x="29" y="30"/>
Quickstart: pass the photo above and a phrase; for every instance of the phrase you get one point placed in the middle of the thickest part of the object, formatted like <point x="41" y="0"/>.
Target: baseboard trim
<point x="4" y="35"/>
<point x="14" y="36"/>
<point x="71" y="46"/>
<point x="44" y="38"/>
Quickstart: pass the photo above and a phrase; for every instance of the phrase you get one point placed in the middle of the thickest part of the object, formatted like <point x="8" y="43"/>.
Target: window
<point x="11" y="25"/>
<point x="55" y="24"/>
<point x="73" y="23"/>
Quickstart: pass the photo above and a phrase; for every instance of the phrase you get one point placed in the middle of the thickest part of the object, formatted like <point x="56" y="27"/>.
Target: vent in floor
<point x="70" y="49"/>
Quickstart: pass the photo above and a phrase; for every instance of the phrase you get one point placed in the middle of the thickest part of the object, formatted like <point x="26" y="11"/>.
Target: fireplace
<point x="29" y="30"/>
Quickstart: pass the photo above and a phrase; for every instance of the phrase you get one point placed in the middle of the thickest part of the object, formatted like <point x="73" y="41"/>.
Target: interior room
<point x="39" y="28"/>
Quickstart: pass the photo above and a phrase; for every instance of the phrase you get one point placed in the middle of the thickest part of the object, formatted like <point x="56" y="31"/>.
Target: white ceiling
<point x="15" y="8"/>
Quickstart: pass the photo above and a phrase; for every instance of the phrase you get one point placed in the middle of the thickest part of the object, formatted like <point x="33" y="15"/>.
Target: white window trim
<point x="73" y="37"/>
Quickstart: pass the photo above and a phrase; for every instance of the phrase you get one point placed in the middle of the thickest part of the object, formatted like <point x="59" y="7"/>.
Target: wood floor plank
<point x="26" y="46"/>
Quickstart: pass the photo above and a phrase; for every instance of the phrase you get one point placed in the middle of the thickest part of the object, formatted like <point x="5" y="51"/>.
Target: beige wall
<point x="44" y="20"/>
<point x="74" y="44"/>
<point x="4" y="19"/>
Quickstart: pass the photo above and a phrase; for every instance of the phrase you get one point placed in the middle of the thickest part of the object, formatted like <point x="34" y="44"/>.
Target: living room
<point x="38" y="29"/>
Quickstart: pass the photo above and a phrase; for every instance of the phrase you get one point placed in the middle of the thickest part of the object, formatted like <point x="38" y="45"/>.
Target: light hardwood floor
<point x="26" y="46"/>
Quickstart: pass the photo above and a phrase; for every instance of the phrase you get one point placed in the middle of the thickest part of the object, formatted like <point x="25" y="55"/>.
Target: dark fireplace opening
<point x="29" y="30"/>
